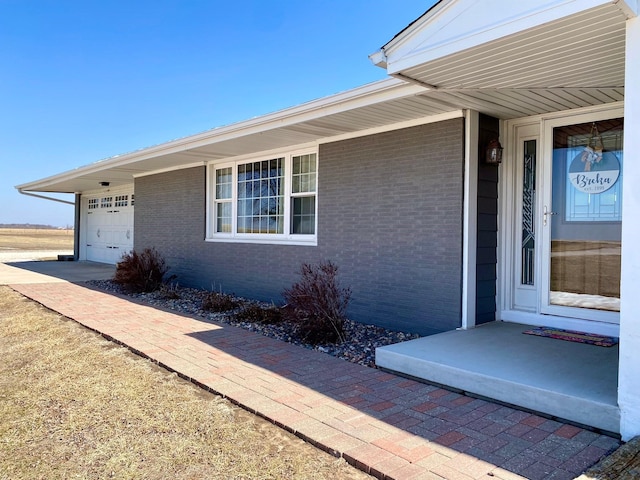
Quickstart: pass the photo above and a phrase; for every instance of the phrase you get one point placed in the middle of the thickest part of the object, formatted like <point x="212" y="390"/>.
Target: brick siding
<point x="390" y="216"/>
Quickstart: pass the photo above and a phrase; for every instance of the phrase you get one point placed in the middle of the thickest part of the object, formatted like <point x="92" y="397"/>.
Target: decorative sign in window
<point x="594" y="170"/>
<point x="590" y="158"/>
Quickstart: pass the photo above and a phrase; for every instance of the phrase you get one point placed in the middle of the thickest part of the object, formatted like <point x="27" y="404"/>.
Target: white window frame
<point x="286" y="238"/>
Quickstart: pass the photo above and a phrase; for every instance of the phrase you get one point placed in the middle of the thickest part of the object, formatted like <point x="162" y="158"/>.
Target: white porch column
<point x="629" y="375"/>
<point x="472" y="122"/>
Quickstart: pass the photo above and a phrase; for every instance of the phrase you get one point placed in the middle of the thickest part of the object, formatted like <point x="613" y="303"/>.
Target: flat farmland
<point x="20" y="244"/>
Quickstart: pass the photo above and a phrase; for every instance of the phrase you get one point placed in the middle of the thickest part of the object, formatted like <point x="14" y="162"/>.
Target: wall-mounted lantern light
<point x="494" y="152"/>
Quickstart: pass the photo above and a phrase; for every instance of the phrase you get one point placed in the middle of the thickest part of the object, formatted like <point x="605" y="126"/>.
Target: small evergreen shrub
<point x="141" y="272"/>
<point x="219" y="302"/>
<point x="317" y="304"/>
<point x="254" y="313"/>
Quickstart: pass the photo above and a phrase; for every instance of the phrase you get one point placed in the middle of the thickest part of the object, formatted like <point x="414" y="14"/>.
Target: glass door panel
<point x="585" y="216"/>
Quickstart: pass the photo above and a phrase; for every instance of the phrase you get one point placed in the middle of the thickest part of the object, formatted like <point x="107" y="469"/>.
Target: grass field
<point x="35" y="239"/>
<point x="73" y="405"/>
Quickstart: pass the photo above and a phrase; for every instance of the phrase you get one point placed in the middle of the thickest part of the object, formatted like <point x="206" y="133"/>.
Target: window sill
<point x="310" y="241"/>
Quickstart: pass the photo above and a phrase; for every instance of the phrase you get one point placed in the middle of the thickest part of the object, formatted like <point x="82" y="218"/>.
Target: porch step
<point x="567" y="380"/>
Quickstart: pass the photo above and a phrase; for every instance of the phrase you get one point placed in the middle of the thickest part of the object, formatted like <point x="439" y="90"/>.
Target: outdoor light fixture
<point x="104" y="184"/>
<point x="494" y="152"/>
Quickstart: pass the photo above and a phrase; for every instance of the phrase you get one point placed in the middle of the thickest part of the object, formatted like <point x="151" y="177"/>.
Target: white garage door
<point x="109" y="227"/>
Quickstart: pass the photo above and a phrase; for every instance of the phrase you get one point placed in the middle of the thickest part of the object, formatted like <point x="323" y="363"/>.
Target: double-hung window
<point x="265" y="200"/>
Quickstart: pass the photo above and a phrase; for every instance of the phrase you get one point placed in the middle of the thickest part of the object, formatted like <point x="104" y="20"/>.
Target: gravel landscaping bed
<point x="362" y="339"/>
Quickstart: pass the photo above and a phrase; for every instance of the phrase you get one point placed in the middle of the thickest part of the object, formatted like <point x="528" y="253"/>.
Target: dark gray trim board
<point x="487" y="233"/>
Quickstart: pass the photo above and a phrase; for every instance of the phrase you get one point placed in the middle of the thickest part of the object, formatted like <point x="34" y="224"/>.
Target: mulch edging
<point x="623" y="464"/>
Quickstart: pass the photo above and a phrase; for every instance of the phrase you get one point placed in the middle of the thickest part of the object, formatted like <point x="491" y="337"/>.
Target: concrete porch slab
<point x="567" y="380"/>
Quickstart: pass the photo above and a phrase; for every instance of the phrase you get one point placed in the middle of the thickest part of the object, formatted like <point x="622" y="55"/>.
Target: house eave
<point x="531" y="58"/>
<point x="365" y="107"/>
<point x="432" y="37"/>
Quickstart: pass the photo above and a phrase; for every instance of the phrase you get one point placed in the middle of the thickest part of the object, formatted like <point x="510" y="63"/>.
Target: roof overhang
<point x="387" y="102"/>
<point x="514" y="59"/>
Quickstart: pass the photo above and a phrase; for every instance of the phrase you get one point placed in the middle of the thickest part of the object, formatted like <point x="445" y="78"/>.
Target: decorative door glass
<point x="528" y="212"/>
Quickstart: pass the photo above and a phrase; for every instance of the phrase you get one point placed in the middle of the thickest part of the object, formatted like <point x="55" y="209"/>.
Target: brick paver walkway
<point x="386" y="425"/>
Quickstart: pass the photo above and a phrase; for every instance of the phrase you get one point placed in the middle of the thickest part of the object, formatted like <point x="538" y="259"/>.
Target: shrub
<point x="141" y="272"/>
<point x="170" y="289"/>
<point x="260" y="314"/>
<point x="317" y="304"/>
<point x="219" y="302"/>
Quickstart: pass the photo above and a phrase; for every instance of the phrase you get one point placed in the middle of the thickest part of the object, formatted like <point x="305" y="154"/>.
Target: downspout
<point x="76" y="227"/>
<point x="45" y="197"/>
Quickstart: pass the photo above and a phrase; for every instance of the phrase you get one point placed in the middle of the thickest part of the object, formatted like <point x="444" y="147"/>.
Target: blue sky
<point x="81" y="81"/>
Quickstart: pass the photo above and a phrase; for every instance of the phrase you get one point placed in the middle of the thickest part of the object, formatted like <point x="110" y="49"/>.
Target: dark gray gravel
<point x="362" y="339"/>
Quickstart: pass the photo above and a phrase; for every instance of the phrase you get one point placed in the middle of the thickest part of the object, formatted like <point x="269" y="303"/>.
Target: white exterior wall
<point x="629" y="374"/>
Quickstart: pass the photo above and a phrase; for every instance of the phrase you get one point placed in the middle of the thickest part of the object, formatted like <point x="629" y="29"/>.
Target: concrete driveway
<point x="16" y="273"/>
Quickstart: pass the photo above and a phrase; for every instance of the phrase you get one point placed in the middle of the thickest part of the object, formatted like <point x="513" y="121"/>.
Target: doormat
<point x="572" y="336"/>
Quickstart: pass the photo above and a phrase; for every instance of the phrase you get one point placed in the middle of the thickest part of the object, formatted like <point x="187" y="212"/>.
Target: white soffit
<point x="513" y="59"/>
<point x="376" y="105"/>
<point x="454" y="26"/>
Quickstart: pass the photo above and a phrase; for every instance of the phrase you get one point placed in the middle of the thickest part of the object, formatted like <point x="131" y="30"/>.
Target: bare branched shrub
<point x="170" y="289"/>
<point x="317" y="303"/>
<point x="141" y="272"/>
<point x="219" y="302"/>
<point x="255" y="313"/>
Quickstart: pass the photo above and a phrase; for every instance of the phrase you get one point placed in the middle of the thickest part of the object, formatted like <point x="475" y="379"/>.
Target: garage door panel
<point x="109" y="228"/>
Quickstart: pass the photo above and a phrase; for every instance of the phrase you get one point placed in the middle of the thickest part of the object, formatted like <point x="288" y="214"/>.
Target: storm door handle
<point x="545" y="215"/>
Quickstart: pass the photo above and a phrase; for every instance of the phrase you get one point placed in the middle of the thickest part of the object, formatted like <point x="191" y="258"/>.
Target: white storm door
<point x="581" y="218"/>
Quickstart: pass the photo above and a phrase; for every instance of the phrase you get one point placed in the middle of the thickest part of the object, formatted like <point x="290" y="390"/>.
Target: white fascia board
<point x="370" y="94"/>
<point x="405" y="36"/>
<point x="631" y="8"/>
<point x="379" y="59"/>
<point x="459" y="25"/>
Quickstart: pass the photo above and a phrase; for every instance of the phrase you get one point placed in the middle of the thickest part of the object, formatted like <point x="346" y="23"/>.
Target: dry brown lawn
<point x="73" y="405"/>
<point x="35" y="239"/>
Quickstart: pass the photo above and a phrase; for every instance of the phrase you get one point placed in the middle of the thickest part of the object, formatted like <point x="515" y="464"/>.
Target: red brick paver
<point x="388" y="426"/>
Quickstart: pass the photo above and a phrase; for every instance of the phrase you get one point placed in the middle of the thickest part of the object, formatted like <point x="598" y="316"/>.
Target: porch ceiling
<point x="371" y="106"/>
<point x="571" y="62"/>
